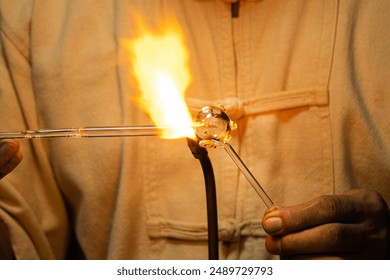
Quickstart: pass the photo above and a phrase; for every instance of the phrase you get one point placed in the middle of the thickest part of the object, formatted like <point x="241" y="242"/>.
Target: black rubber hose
<point x="211" y="197"/>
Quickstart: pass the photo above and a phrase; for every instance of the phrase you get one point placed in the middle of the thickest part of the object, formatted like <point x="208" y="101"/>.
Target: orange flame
<point x="160" y="64"/>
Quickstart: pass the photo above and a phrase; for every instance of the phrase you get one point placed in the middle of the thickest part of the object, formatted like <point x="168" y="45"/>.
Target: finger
<point x="341" y="256"/>
<point x="10" y="157"/>
<point x="325" y="209"/>
<point x="10" y="164"/>
<point x="312" y="257"/>
<point x="8" y="149"/>
<point x="325" y="239"/>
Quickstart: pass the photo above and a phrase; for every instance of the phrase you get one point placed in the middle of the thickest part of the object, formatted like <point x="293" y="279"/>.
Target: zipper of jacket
<point x="235" y="9"/>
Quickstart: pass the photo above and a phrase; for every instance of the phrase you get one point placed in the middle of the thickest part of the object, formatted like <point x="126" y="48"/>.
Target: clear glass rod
<point x="87" y="132"/>
<point x="244" y="169"/>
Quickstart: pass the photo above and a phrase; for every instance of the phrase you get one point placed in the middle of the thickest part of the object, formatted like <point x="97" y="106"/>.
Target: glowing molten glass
<point x="160" y="64"/>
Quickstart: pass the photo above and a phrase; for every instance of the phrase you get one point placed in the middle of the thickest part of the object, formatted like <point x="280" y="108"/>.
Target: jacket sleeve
<point x="31" y="205"/>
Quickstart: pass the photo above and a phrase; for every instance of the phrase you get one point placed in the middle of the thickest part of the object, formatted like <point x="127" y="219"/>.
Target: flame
<point x="160" y="65"/>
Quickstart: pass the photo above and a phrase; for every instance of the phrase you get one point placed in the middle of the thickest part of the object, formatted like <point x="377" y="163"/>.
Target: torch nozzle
<point x="197" y="151"/>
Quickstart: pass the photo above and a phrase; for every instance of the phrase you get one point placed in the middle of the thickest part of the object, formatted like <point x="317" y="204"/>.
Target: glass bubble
<point x="212" y="123"/>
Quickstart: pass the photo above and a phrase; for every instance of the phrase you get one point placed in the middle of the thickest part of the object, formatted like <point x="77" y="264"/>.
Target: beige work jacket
<point x="306" y="81"/>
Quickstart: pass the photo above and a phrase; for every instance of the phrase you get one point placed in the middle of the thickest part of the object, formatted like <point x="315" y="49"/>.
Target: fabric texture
<point x="306" y="82"/>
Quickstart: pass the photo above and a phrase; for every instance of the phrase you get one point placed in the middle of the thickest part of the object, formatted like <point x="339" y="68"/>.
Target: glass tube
<point x="211" y="124"/>
<point x="88" y="132"/>
<point x="244" y="169"/>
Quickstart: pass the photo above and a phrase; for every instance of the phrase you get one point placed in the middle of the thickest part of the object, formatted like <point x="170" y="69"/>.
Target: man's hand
<point x="10" y="156"/>
<point x="355" y="225"/>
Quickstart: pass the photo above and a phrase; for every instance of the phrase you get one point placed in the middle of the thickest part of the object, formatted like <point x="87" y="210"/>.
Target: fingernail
<point x="273" y="224"/>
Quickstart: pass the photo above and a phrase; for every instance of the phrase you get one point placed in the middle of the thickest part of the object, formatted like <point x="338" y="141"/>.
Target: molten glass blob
<point x="213" y="126"/>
